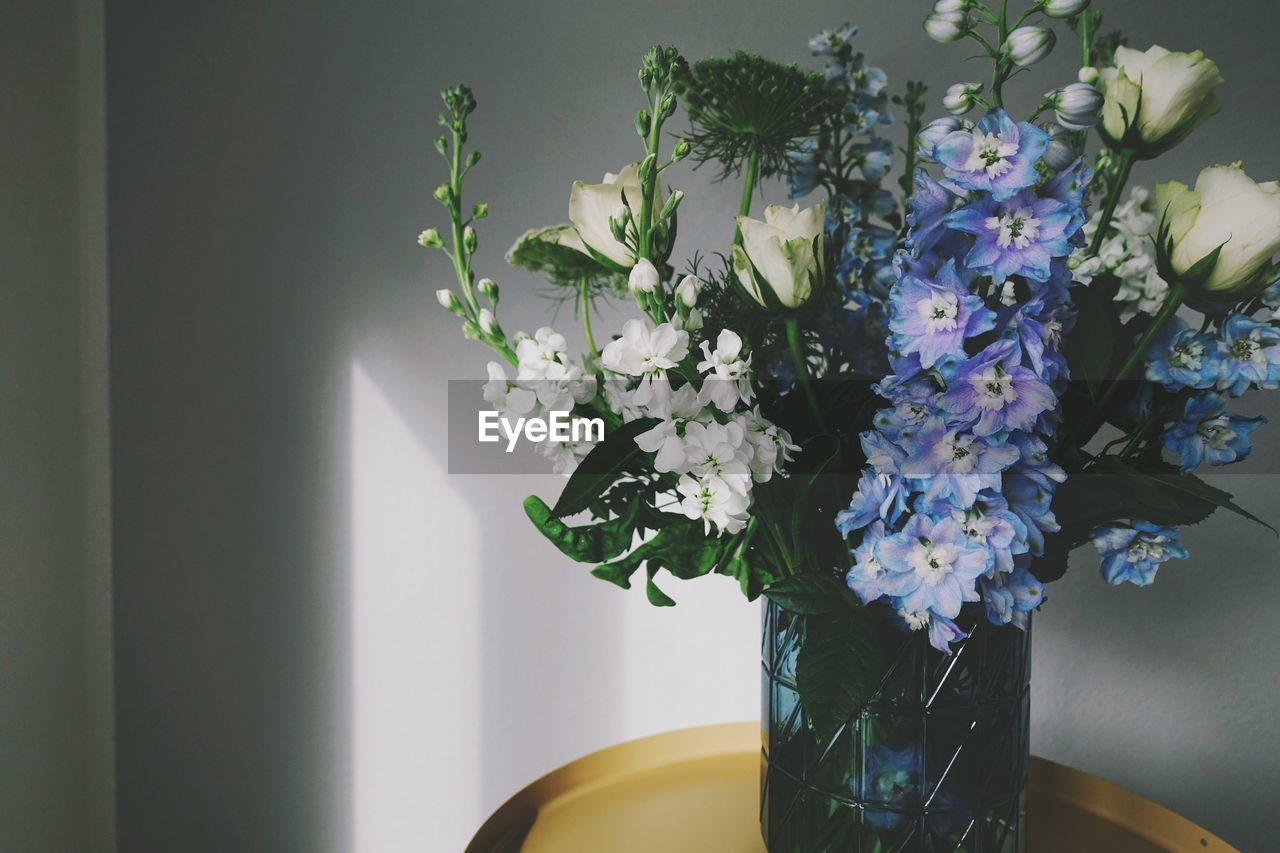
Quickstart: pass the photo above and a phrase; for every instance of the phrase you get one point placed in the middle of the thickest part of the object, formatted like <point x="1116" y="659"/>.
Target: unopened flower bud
<point x="488" y="323"/>
<point x="681" y="150"/>
<point x="443" y="194"/>
<point x="618" y="222"/>
<point x="1078" y="106"/>
<point x="488" y="289"/>
<point x="961" y="97"/>
<point x="471" y="331"/>
<point x="1028" y="45"/>
<point x="688" y="290"/>
<point x="1061" y="151"/>
<point x="1089" y="74"/>
<point x="480" y="210"/>
<point x="949" y="6"/>
<point x="946" y="26"/>
<point x="469" y="239"/>
<point x="1064" y="8"/>
<point x="673" y="201"/>
<point x="642" y="123"/>
<point x="430" y="239"/>
<point x="473" y="158"/>
<point x="933" y="133"/>
<point x="448" y="301"/>
<point x="643" y="277"/>
<point x="442" y="145"/>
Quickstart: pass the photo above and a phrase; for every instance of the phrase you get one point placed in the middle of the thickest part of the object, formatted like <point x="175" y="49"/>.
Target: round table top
<point x="698" y="789"/>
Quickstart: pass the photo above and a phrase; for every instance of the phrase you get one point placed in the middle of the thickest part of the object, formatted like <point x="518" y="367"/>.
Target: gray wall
<point x="270" y="164"/>
<point x="55" y="676"/>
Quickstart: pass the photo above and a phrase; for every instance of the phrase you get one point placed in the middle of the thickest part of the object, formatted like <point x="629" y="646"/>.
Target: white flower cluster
<point x="709" y="436"/>
<point x="1128" y="253"/>
<point x="546" y="381"/>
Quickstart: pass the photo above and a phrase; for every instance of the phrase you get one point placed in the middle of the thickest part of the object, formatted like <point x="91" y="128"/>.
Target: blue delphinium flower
<point x="1209" y="433"/>
<point x="976" y="317"/>
<point x="933" y="318"/>
<point x="999" y="156"/>
<point x="1181" y="357"/>
<point x="1135" y="552"/>
<point x="891" y="777"/>
<point x="1249" y="354"/>
<point x="931" y="565"/>
<point x="996" y="393"/>
<point x="1017" y="236"/>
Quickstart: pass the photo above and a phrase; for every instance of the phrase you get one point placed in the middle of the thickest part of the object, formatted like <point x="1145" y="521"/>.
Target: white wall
<point x="325" y="642"/>
<point x="55" y="676"/>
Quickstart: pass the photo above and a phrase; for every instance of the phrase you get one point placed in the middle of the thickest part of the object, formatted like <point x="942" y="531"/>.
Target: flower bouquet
<point x="894" y="416"/>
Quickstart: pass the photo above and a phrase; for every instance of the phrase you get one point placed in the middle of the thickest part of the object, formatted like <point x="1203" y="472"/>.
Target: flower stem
<point x="1172" y="301"/>
<point x="584" y="305"/>
<point x="802" y="371"/>
<point x="1002" y="65"/>
<point x="748" y="189"/>
<point x="1113" y="198"/>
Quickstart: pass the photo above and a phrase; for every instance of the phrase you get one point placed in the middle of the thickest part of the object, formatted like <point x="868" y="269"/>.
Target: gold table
<point x="696" y="791"/>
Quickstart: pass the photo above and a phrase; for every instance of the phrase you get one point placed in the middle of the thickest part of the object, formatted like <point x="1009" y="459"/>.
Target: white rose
<point x="592" y="205"/>
<point x="1226" y="209"/>
<point x="1158" y="97"/>
<point x="785" y="251"/>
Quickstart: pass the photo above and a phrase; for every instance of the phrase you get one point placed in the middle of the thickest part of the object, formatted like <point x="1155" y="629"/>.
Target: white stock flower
<point x="771" y="445"/>
<point x="591" y="206"/>
<point x="1127" y="253"/>
<point x="541" y="356"/>
<point x="505" y="397"/>
<point x="1159" y="96"/>
<point x="665" y="439"/>
<point x="1227" y="208"/>
<point x="785" y="250"/>
<point x="713" y="501"/>
<point x="719" y="450"/>
<point x="729" y="374"/>
<point x="645" y="352"/>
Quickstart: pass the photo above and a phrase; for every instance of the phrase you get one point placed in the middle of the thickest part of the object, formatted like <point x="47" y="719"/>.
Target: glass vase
<point x="935" y="761"/>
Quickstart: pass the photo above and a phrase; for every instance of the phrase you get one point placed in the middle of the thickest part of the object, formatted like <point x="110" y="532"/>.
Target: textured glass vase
<point x="935" y="761"/>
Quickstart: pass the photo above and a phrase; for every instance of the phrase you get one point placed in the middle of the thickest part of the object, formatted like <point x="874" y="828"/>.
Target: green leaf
<point x="601" y="467"/>
<point x="592" y="543"/>
<point x="809" y="593"/>
<point x="838" y="668"/>
<point x="657" y="597"/>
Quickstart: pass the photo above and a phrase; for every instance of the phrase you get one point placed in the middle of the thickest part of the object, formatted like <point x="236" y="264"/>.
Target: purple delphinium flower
<point x="926" y="213"/>
<point x="933" y="318"/>
<point x="878" y="497"/>
<point x="931" y="566"/>
<point x="989" y="523"/>
<point x="999" y="156"/>
<point x="1249" y="354"/>
<point x="1020" y="235"/>
<point x="1134" y="553"/>
<point x="866" y="575"/>
<point x="946" y="463"/>
<point x="1181" y="358"/>
<point x="994" y="392"/>
<point x="1208" y="432"/>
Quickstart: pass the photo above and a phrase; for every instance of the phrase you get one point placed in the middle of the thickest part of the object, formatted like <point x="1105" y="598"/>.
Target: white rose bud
<point x="688" y="290"/>
<point x="1154" y="99"/>
<point x="1078" y="106"/>
<point x="643" y="277"/>
<point x="1028" y="45"/>
<point x="961" y="97"/>
<point x="780" y="258"/>
<point x="946" y="26"/>
<point x="1064" y="8"/>
<point x="1226" y="209"/>
<point x="592" y="206"/>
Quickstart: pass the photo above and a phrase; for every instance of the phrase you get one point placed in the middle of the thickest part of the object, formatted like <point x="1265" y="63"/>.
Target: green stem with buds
<point x="1001" y="72"/>
<point x="1127" y="156"/>
<point x="802" y="371"/>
